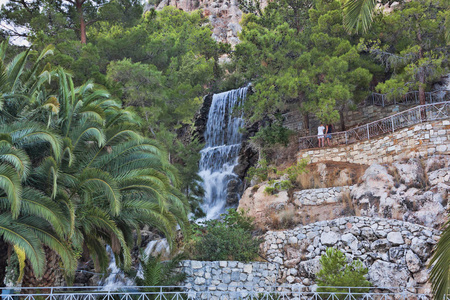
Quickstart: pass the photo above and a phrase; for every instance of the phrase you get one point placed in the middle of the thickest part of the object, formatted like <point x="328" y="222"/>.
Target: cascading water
<point x="117" y="279"/>
<point x="220" y="155"/>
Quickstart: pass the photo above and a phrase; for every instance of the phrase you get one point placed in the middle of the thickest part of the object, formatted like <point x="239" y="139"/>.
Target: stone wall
<point x="363" y="115"/>
<point x="229" y="276"/>
<point x="320" y="196"/>
<point x="421" y="140"/>
<point x="395" y="252"/>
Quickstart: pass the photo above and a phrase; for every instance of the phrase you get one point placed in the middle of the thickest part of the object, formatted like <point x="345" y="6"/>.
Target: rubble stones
<point x="383" y="245"/>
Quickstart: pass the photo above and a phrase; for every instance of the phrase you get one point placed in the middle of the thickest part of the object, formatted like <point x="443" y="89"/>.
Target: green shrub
<point x="273" y="133"/>
<point x="227" y="239"/>
<point x="227" y="243"/>
<point x="270" y="190"/>
<point x="337" y="272"/>
<point x="274" y="186"/>
<point x="261" y="172"/>
<point x="293" y="171"/>
<point x="238" y="218"/>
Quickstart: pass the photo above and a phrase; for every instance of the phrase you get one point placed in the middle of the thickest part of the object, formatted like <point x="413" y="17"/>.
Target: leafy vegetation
<point x="94" y="130"/>
<point x="336" y="272"/>
<point x="76" y="175"/>
<point x="227" y="239"/>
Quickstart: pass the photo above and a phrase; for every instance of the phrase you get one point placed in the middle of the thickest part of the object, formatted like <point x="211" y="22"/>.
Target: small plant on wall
<point x="337" y="272"/>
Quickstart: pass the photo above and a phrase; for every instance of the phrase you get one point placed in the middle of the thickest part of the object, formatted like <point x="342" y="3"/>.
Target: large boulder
<point x="386" y="274"/>
<point x="412" y="173"/>
<point x="375" y="186"/>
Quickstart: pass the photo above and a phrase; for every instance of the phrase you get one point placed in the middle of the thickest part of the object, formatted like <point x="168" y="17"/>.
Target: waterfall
<point x="220" y="155"/>
<point x="117" y="279"/>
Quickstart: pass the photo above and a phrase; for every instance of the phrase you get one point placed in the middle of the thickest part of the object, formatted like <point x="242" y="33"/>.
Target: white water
<point x="117" y="278"/>
<point x="220" y="155"/>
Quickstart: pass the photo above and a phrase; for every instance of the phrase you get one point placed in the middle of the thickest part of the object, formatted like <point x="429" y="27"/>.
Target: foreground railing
<point x="214" y="293"/>
<point x="407" y="99"/>
<point x="415" y="115"/>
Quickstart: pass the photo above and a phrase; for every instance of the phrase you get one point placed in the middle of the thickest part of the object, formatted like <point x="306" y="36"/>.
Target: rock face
<point x="386" y="191"/>
<point x="403" y="195"/>
<point x="395" y="252"/>
<point x="201" y="118"/>
<point x="224" y="16"/>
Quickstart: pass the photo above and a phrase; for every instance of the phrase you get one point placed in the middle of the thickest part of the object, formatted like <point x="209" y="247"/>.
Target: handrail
<point x="408" y="98"/>
<point x="254" y="292"/>
<point x="412" y="116"/>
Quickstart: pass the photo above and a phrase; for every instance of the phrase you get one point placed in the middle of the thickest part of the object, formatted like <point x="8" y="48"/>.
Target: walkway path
<point x="391" y="124"/>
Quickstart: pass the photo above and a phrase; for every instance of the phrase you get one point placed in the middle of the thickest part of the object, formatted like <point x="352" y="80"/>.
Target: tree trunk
<point x="3" y="261"/>
<point x="342" y="120"/>
<point x="52" y="271"/>
<point x="305" y="121"/>
<point x="79" y="4"/>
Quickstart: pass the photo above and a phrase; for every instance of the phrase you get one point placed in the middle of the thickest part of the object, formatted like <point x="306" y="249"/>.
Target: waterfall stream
<point x="221" y="151"/>
<point x="218" y="159"/>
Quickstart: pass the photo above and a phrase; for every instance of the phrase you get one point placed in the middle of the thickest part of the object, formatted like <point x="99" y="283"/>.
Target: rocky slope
<point x="415" y="191"/>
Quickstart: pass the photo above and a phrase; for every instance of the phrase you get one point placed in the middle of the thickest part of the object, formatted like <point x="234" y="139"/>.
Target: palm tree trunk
<point x="3" y="261"/>
<point x="51" y="274"/>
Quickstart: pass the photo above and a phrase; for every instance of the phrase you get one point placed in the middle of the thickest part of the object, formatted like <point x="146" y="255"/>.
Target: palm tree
<point x="75" y="175"/>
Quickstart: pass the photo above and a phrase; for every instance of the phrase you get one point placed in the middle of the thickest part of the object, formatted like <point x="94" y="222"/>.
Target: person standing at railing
<point x="320" y="135"/>
<point x="329" y="130"/>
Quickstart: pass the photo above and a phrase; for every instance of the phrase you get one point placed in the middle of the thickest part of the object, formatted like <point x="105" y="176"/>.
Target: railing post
<point x="346" y="141"/>
<point x="368" y="134"/>
<point x="382" y="99"/>
<point x="392" y="122"/>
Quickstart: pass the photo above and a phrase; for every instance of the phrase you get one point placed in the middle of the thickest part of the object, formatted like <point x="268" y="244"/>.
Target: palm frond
<point x="98" y="181"/>
<point x="45" y="235"/>
<point x="16" y="158"/>
<point x="358" y="15"/>
<point x="440" y="265"/>
<point x="16" y="234"/>
<point x="15" y="68"/>
<point x="25" y="134"/>
<point x="12" y="187"/>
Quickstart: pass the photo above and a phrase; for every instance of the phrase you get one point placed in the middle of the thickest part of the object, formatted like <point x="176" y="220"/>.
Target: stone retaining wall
<point x="320" y="196"/>
<point x="366" y="114"/>
<point x="229" y="276"/>
<point x="395" y="252"/>
<point x="421" y="140"/>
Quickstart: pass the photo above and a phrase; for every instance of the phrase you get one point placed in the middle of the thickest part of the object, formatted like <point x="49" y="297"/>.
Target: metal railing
<point x="415" y="115"/>
<point x="294" y="291"/>
<point x="407" y="99"/>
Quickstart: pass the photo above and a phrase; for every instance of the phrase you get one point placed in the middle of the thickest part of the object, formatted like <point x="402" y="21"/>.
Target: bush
<point x="227" y="239"/>
<point x="160" y="273"/>
<point x="337" y="272"/>
<point x="261" y="172"/>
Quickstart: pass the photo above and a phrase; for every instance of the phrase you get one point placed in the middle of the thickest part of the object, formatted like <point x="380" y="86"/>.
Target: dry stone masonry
<point x="395" y="252"/>
<point x="320" y="196"/>
<point x="421" y="140"/>
<point x="229" y="276"/>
